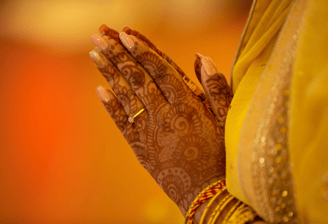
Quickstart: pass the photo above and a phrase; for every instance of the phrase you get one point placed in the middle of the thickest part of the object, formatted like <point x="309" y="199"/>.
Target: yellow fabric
<point x="246" y="75"/>
<point x="262" y="167"/>
<point x="309" y="101"/>
<point x="272" y="20"/>
<point x="309" y="113"/>
<point x="236" y="116"/>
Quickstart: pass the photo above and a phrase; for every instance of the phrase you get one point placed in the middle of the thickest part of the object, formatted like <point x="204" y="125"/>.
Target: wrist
<point x="214" y="189"/>
<point x="204" y="212"/>
<point x="223" y="208"/>
<point x="188" y="199"/>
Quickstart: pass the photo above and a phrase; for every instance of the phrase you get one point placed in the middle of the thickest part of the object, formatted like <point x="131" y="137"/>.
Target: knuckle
<point x="137" y="79"/>
<point x="108" y="72"/>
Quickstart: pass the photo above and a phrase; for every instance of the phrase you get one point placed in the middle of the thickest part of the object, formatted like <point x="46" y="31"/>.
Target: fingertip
<point x="99" y="41"/>
<point x="103" y="93"/>
<point x="198" y="66"/>
<point x="127" y="41"/>
<point x="102" y="28"/>
<point x="95" y="55"/>
<point x="126" y="29"/>
<point x="204" y="75"/>
<point x="209" y="66"/>
<point x="198" y="55"/>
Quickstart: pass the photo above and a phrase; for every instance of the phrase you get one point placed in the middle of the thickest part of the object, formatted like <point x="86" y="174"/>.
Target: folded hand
<point x="176" y="138"/>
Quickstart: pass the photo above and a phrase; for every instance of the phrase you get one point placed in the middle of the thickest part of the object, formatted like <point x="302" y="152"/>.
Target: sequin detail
<point x="271" y="168"/>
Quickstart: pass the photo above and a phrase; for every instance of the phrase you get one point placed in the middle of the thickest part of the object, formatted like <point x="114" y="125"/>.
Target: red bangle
<point x="203" y="196"/>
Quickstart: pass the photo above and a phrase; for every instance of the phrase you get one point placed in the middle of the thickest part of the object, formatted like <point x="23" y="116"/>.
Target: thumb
<point x="216" y="88"/>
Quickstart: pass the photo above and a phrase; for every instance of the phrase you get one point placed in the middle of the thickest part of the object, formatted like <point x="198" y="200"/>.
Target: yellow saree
<point x="277" y="127"/>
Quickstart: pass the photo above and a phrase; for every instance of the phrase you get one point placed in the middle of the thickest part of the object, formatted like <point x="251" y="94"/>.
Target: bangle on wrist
<point x="219" y="208"/>
<point x="203" y="196"/>
<point x="234" y="211"/>
<point x="243" y="214"/>
<point x="231" y="211"/>
<point x="203" y="217"/>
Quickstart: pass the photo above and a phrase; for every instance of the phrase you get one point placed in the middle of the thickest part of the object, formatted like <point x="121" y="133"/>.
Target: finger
<point x="198" y="66"/>
<point x="135" y="75"/>
<point x="165" y="76"/>
<point x="146" y="41"/>
<point x="185" y="78"/>
<point x="113" y="107"/>
<point x="118" y="114"/>
<point x="217" y="89"/>
<point x="104" y="30"/>
<point x="119" y="85"/>
<point x="141" y="37"/>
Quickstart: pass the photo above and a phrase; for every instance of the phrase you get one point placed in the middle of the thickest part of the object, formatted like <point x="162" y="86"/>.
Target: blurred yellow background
<point x="62" y="159"/>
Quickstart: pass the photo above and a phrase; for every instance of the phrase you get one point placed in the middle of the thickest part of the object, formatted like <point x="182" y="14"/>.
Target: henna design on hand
<point x="217" y="89"/>
<point x="119" y="85"/>
<point x="177" y="139"/>
<point x="152" y="46"/>
<point x="221" y="93"/>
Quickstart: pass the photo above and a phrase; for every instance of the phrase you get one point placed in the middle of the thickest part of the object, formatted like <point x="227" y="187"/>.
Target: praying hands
<point x="163" y="116"/>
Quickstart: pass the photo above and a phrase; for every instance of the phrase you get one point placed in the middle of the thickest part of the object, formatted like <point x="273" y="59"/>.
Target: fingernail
<point x="99" y="41"/>
<point x="103" y="94"/>
<point x="198" y="55"/>
<point x="127" y="41"/>
<point x="209" y="66"/>
<point x="126" y="28"/>
<point x="102" y="28"/>
<point x="96" y="58"/>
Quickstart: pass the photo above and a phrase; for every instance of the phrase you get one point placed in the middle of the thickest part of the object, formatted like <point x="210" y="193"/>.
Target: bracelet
<point x="203" y="196"/>
<point x="208" y="206"/>
<point x="242" y="215"/>
<point x="225" y="201"/>
<point x="232" y="210"/>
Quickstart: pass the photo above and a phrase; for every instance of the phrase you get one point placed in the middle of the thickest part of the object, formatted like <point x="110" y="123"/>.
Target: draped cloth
<point x="277" y="126"/>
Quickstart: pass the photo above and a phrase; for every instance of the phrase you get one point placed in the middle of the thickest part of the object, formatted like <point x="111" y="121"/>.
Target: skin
<point x="177" y="139"/>
<point x="217" y="89"/>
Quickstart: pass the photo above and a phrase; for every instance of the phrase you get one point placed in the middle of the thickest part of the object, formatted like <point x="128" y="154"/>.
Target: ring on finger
<point x="131" y="119"/>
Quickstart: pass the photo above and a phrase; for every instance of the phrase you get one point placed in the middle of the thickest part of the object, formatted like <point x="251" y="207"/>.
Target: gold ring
<point x="131" y="119"/>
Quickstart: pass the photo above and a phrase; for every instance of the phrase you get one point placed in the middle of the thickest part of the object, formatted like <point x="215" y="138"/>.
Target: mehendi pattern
<point x="177" y="139"/>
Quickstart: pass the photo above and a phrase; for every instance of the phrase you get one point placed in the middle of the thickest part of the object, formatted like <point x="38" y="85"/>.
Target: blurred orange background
<point x="62" y="159"/>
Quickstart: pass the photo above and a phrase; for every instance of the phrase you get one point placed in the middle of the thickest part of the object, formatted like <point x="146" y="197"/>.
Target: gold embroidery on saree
<point x="271" y="169"/>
